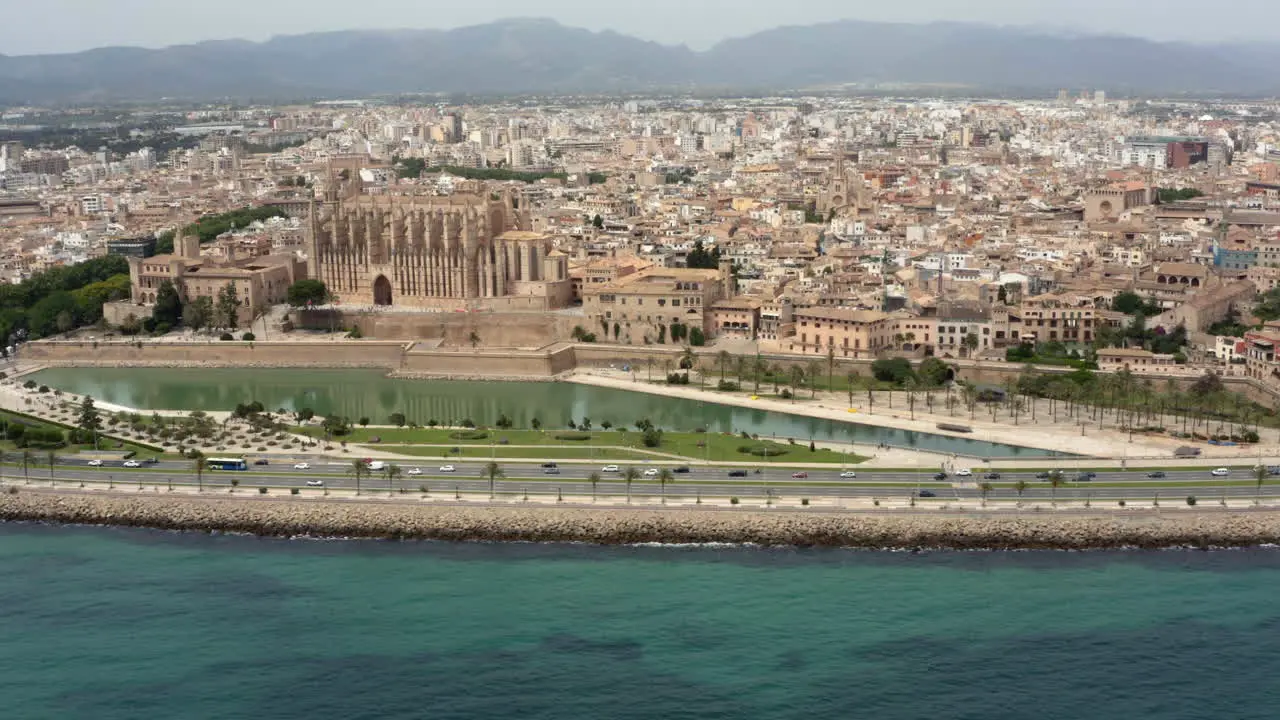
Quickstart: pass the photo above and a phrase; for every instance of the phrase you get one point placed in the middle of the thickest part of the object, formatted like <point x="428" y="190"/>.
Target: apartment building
<point x="1050" y="319"/>
<point x="737" y="318"/>
<point x="850" y="333"/>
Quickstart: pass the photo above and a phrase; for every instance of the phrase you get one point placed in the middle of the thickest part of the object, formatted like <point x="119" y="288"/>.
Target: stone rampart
<point x="362" y="354"/>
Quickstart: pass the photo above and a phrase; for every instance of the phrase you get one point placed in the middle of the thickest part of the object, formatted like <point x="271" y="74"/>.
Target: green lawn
<point x="713" y="447"/>
<point x="507" y="452"/>
<point x="104" y="443"/>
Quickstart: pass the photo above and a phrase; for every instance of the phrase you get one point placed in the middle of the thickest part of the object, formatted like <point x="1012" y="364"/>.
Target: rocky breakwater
<point x="410" y="520"/>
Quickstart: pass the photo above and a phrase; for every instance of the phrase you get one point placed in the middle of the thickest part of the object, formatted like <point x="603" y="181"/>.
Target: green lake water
<point x="368" y="393"/>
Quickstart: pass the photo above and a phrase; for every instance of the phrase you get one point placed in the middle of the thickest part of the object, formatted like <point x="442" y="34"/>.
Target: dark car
<point x="548" y="466"/>
<point x="1042" y="476"/>
<point x="737" y="473"/>
<point x="151" y="461"/>
<point x="1084" y="477"/>
<point x="551" y="471"/>
<point x="928" y="494"/>
<point x="682" y="470"/>
<point x="993" y="476"/>
<point x="1273" y="470"/>
<point x="940" y="477"/>
<point x="262" y="461"/>
<point x="1157" y="475"/>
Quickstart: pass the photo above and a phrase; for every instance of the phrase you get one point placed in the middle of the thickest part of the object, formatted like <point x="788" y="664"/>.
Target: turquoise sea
<point x="106" y="624"/>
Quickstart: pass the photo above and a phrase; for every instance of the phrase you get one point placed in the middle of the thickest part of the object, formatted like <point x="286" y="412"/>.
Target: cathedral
<point x="443" y="253"/>
<point x="842" y="197"/>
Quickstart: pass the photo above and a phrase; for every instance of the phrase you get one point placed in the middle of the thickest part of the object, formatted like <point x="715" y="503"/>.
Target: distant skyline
<point x="56" y="26"/>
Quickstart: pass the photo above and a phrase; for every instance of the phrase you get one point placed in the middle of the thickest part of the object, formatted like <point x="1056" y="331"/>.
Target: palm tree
<point x="630" y="475"/>
<point x="723" y="358"/>
<point x="971" y="343"/>
<point x="852" y="378"/>
<point x="740" y="367"/>
<point x="910" y="339"/>
<point x="911" y="386"/>
<point x="393" y="473"/>
<point x="1021" y="487"/>
<point x="1056" y="480"/>
<point x="474" y="339"/>
<point x="797" y="379"/>
<point x="899" y="340"/>
<point x="493" y="471"/>
<point x="536" y="424"/>
<point x="775" y="372"/>
<point x="665" y="476"/>
<point x="197" y="466"/>
<point x="758" y="369"/>
<point x="831" y="367"/>
<point x="985" y="488"/>
<point x="52" y="457"/>
<point x="26" y="463"/>
<point x="594" y="479"/>
<point x="358" y="470"/>
<point x="687" y="358"/>
<point x="813" y="372"/>
<point x="1259" y="477"/>
<point x="970" y="396"/>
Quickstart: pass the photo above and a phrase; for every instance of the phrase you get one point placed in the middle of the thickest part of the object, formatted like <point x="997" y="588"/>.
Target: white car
<point x="848" y="475"/>
<point x="132" y="464"/>
<point x="651" y="472"/>
<point x="966" y="472"/>
<point x="95" y="463"/>
<point x="1221" y="472"/>
<point x="302" y="466"/>
<point x="415" y="471"/>
<point x="610" y="468"/>
<point x="315" y="483"/>
<point x="448" y="468"/>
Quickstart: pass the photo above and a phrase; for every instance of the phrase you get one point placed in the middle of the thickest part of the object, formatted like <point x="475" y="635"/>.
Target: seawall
<point x="612" y="526"/>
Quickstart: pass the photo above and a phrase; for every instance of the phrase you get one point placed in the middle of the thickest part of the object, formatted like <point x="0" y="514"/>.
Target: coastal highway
<point x="572" y="479"/>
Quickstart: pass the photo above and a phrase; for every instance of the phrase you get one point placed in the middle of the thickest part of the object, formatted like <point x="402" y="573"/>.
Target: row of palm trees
<point x="494" y="472"/>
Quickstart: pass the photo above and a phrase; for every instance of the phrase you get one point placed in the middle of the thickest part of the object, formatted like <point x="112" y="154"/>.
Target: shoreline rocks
<point x="400" y="520"/>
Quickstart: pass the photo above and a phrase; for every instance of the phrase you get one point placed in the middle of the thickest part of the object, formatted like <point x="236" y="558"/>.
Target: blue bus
<point x="227" y="464"/>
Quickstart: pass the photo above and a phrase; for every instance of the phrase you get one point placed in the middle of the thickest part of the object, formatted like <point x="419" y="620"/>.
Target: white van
<point x="377" y="466"/>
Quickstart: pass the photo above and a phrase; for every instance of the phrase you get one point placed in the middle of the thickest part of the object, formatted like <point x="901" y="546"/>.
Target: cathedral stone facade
<point x="460" y="252"/>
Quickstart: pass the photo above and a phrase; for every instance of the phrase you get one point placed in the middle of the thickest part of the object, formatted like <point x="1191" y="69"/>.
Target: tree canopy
<point x="700" y="259"/>
<point x="894" y="370"/>
<point x="1268" y="307"/>
<point x="79" y="291"/>
<point x="308" y="292"/>
<point x="1130" y="303"/>
<point x="211" y="226"/>
<point x="1169" y="195"/>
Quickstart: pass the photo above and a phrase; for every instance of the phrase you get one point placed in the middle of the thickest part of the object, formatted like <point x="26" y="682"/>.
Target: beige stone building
<point x="737" y="318"/>
<point x="851" y="333"/>
<point x="645" y="304"/>
<point x="260" y="280"/>
<point x="1133" y="360"/>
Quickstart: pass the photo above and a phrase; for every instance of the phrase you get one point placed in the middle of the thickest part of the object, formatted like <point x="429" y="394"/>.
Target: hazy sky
<point x="38" y="26"/>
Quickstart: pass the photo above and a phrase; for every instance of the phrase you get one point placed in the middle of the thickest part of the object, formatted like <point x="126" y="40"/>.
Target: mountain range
<point x="533" y="55"/>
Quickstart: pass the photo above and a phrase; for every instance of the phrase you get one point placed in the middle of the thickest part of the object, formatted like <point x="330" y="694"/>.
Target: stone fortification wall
<point x="480" y="363"/>
<point x="452" y="329"/>
<point x="366" y="354"/>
